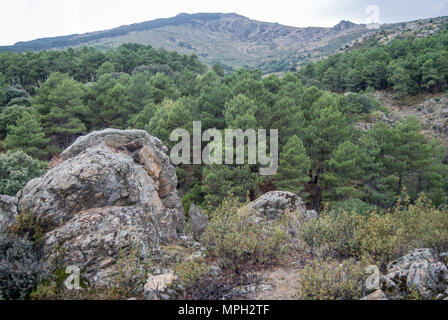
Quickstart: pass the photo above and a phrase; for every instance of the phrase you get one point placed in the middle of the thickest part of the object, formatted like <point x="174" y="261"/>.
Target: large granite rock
<point x="8" y="212"/>
<point x="197" y="221"/>
<point x="114" y="190"/>
<point x="109" y="168"/>
<point x="95" y="238"/>
<point x="420" y="271"/>
<point x="273" y="205"/>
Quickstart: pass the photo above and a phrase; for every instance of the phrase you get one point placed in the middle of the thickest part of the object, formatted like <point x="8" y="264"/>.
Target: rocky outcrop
<point x="344" y="25"/>
<point x="114" y="190"/>
<point x="162" y="287"/>
<point x="109" y="168"/>
<point x="273" y="205"/>
<point x="8" y="212"/>
<point x="421" y="272"/>
<point x="197" y="221"/>
<point x="94" y="239"/>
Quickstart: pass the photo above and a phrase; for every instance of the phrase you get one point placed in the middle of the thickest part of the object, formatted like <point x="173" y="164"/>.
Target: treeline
<point x="322" y="154"/>
<point x="29" y="70"/>
<point x="406" y="66"/>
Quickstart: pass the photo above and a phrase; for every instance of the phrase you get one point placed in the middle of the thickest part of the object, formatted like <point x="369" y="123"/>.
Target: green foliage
<point x="76" y="91"/>
<point x="60" y="103"/>
<point x="27" y="135"/>
<point x="378" y="237"/>
<point x="294" y="166"/>
<point x="9" y="116"/>
<point x="407" y="160"/>
<point x="20" y="269"/>
<point x="407" y="66"/>
<point x="220" y="181"/>
<point x="237" y="241"/>
<point x="32" y="227"/>
<point x="169" y="116"/>
<point x="327" y="279"/>
<point x="16" y="169"/>
<point x="17" y="95"/>
<point x="354" y="205"/>
<point x="132" y="270"/>
<point x="2" y="89"/>
<point x="192" y="271"/>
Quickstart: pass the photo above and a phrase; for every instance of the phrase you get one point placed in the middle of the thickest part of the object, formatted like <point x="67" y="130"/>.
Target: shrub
<point x="45" y="291"/>
<point x="191" y="271"/>
<point x="376" y="238"/>
<point x="16" y="169"/>
<point x="331" y="280"/>
<point x="51" y="292"/>
<point x="32" y="227"/>
<point x="332" y="234"/>
<point x="20" y="269"/>
<point x="421" y="226"/>
<point x="132" y="270"/>
<point x="380" y="237"/>
<point x="237" y="241"/>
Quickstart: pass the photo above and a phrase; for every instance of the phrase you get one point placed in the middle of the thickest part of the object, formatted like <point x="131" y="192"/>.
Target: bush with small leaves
<point x="378" y="237"/>
<point x="20" y="269"/>
<point x="191" y="271"/>
<point x="326" y="279"/>
<point x="32" y="227"/>
<point x="238" y="242"/>
<point x="132" y="270"/>
<point x="16" y="169"/>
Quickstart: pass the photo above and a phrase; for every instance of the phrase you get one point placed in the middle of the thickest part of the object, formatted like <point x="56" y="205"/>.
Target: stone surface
<point x="8" y="212"/>
<point x="197" y="221"/>
<point x="273" y="205"/>
<point x="114" y="191"/>
<point x="109" y="168"/>
<point x="161" y="287"/>
<point x="94" y="239"/>
<point x="419" y="270"/>
<point x="377" y="295"/>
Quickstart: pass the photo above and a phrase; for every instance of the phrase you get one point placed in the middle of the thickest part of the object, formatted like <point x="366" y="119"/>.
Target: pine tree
<point x="430" y="76"/>
<point x="27" y="135"/>
<point x="60" y="103"/>
<point x="344" y="168"/>
<point x="294" y="166"/>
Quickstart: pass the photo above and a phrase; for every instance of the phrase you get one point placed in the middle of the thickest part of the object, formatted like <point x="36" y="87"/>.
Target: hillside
<point x="90" y="181"/>
<point x="230" y="39"/>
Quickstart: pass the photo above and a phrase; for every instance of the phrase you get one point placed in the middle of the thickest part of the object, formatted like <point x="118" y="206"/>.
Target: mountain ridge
<point x="230" y="39"/>
<point x="227" y="38"/>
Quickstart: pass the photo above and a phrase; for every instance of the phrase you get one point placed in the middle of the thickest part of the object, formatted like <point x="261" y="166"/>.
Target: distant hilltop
<point x="228" y="38"/>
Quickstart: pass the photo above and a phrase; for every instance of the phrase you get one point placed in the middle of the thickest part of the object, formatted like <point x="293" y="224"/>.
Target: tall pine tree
<point x="27" y="135"/>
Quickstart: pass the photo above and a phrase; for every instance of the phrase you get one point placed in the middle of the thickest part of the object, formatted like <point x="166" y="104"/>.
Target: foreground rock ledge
<point x="114" y="190"/>
<point x="421" y="270"/>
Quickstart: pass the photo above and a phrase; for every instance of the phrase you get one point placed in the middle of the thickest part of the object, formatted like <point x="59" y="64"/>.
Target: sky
<point x="24" y="20"/>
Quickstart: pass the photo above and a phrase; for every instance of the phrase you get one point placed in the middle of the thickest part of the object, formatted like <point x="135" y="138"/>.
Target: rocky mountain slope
<point x="230" y="39"/>
<point x="113" y="196"/>
<point x="420" y="29"/>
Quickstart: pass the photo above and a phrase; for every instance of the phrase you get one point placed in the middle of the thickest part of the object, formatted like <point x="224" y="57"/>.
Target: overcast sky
<point x="22" y="20"/>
